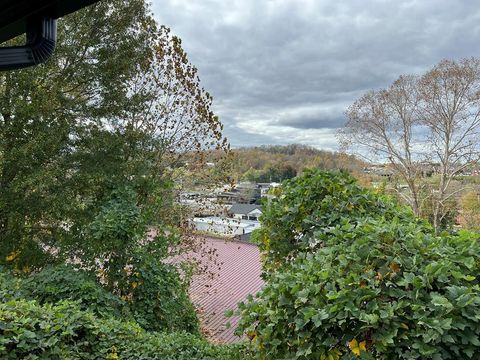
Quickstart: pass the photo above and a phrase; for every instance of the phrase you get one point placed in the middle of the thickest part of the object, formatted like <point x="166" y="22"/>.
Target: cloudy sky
<point x="284" y="71"/>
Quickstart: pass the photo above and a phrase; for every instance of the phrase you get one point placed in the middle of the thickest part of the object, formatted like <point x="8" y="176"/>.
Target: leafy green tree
<point x="92" y="137"/>
<point x="43" y="111"/>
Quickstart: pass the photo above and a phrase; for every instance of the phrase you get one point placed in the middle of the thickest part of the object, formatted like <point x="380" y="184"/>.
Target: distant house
<point x="244" y="193"/>
<point x="265" y="187"/>
<point x="245" y="211"/>
<point x="227" y="197"/>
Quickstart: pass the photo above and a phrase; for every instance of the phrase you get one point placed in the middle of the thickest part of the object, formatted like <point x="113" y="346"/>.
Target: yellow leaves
<point x="404" y="326"/>
<point x="136" y="284"/>
<point x="127" y="297"/>
<point x="357" y="347"/>
<point x="12" y="256"/>
<point x="113" y="354"/>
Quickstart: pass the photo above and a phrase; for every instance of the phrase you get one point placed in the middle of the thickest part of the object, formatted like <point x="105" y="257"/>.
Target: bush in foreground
<point x="374" y="289"/>
<point x="63" y="282"/>
<point x="314" y="201"/>
<point x="32" y="331"/>
<point x="154" y="295"/>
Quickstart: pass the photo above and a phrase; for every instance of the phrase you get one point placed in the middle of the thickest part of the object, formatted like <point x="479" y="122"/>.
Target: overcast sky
<point x="284" y="71"/>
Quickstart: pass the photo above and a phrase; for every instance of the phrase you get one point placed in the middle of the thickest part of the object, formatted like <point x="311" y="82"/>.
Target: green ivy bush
<point x="63" y="282"/>
<point x="313" y="201"/>
<point x="153" y="294"/>
<point x="158" y="297"/>
<point x="9" y="286"/>
<point x="375" y="289"/>
<point x="32" y="331"/>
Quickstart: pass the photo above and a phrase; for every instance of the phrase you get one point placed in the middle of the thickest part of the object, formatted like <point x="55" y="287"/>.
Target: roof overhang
<point x="37" y="19"/>
<point x="16" y="14"/>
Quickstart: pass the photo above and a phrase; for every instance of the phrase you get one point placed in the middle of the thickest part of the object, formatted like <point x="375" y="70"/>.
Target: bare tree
<point x="381" y="126"/>
<point x="450" y="109"/>
<point x="432" y="119"/>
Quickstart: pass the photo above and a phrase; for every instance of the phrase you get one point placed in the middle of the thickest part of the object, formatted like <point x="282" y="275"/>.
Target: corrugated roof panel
<point x="238" y="277"/>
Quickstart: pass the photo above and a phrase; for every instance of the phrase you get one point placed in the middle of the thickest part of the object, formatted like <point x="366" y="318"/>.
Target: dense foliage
<point x="9" y="286"/>
<point x="366" y="280"/>
<point x="63" y="331"/>
<point x="153" y="295"/>
<point x="399" y="292"/>
<point x="101" y="125"/>
<point x="62" y="282"/>
<point x="312" y="202"/>
<point x="159" y="299"/>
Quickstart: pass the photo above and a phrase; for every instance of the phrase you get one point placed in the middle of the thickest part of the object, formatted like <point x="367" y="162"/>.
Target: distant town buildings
<point x="423" y="168"/>
<point x="228" y="212"/>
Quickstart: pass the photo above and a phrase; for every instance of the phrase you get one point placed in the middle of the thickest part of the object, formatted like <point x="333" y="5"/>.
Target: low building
<point x="265" y="187"/>
<point x="224" y="226"/>
<point x="245" y="211"/>
<point x="245" y="193"/>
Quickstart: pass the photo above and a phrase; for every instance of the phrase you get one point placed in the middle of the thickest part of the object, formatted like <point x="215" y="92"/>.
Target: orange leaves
<point x="12" y="256"/>
<point x="395" y="267"/>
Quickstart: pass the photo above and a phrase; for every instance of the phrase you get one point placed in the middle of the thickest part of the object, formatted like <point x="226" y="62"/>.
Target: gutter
<point x="41" y="40"/>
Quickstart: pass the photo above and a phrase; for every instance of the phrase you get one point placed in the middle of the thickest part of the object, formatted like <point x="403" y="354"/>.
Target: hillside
<point x="278" y="162"/>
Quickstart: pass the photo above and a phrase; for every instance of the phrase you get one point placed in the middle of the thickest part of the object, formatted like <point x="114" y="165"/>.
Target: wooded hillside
<point x="269" y="163"/>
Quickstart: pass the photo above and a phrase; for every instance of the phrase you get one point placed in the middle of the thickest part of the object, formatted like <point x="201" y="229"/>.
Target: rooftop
<point x="239" y="276"/>
<point x="244" y="208"/>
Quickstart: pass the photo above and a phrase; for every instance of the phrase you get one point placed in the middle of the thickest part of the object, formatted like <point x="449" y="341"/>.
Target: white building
<point x="224" y="226"/>
<point x="245" y="211"/>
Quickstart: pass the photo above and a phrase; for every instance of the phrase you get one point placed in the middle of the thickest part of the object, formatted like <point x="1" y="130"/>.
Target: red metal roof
<point x="239" y="276"/>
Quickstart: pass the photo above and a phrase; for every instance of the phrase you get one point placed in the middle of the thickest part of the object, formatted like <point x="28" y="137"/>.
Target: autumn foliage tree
<point x="89" y="140"/>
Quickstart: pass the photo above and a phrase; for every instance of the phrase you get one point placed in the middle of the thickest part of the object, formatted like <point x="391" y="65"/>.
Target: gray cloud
<point x="311" y="123"/>
<point x="285" y="70"/>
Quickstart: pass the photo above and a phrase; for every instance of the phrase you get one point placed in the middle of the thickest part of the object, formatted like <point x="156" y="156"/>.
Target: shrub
<point x="9" y="286"/>
<point x="159" y="298"/>
<point x="63" y="331"/>
<point x="114" y="234"/>
<point x="313" y="201"/>
<point x="153" y="294"/>
<point x="63" y="282"/>
<point x="380" y="289"/>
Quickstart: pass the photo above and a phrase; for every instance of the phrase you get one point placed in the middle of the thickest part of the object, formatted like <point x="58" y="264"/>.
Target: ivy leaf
<point x="357" y="347"/>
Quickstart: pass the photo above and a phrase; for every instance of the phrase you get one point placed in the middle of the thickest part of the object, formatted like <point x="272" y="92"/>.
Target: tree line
<point x="276" y="163"/>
